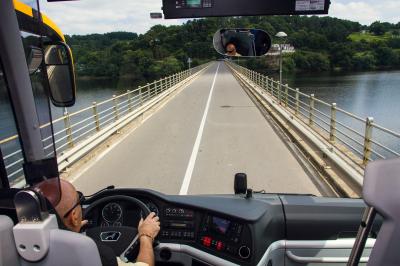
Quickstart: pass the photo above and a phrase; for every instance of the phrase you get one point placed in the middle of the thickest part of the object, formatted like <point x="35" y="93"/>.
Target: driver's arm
<point x="148" y="230"/>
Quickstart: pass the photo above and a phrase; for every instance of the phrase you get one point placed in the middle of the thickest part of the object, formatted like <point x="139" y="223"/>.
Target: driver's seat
<point x="42" y="243"/>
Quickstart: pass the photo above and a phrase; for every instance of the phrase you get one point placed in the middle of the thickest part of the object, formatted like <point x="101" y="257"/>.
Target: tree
<point x="386" y="56"/>
<point x="364" y="61"/>
<point x="311" y="61"/>
<point x="378" y="28"/>
<point x="341" y="55"/>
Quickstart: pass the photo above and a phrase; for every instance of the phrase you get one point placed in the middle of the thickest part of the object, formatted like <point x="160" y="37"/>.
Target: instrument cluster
<point x="123" y="213"/>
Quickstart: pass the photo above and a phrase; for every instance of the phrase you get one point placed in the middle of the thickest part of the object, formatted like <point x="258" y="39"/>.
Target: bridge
<point x="189" y="133"/>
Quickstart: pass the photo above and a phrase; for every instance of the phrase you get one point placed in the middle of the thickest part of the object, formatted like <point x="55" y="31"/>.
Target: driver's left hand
<point x="84" y="223"/>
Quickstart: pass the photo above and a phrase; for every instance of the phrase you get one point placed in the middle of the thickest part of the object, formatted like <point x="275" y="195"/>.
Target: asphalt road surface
<point x="197" y="142"/>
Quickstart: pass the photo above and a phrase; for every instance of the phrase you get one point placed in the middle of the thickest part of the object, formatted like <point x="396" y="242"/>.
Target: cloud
<point x="367" y="11"/>
<point x="100" y="16"/>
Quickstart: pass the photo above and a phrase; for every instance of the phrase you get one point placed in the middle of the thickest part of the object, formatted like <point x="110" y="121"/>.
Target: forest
<point x="321" y="43"/>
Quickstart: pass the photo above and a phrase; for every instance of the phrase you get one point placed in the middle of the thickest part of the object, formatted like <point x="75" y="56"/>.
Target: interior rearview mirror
<point x="60" y="73"/>
<point x="242" y="42"/>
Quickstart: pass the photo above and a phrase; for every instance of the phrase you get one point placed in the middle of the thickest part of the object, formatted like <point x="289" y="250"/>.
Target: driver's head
<point x="68" y="208"/>
<point x="230" y="49"/>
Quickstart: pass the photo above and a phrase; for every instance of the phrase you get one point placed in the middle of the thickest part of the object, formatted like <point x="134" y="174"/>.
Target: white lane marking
<point x="196" y="146"/>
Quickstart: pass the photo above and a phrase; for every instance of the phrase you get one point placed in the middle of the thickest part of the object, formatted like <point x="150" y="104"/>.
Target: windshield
<point x="158" y="107"/>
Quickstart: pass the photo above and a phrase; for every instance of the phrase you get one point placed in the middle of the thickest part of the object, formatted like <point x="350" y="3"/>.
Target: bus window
<point x="9" y="140"/>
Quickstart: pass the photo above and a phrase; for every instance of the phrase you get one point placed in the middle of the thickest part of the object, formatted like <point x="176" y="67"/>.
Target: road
<point x="197" y="142"/>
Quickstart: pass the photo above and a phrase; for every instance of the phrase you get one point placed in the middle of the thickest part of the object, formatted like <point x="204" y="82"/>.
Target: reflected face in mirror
<point x="231" y="50"/>
<point x="242" y="42"/>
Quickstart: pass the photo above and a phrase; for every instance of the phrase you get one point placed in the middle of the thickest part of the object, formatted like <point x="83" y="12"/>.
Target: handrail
<point x="72" y="128"/>
<point x="364" y="132"/>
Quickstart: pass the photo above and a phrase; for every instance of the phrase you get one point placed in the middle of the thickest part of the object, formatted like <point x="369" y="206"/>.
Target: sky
<point x="100" y="16"/>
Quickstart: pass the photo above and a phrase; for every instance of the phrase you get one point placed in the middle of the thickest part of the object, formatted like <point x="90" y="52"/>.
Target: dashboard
<point x="230" y="228"/>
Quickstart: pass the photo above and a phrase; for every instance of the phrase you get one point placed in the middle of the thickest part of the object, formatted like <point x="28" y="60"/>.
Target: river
<point x="375" y="94"/>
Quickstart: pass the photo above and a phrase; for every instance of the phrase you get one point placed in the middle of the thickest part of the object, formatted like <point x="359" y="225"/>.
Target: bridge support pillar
<point x="140" y="95"/>
<point x="148" y="91"/>
<point x="116" y="111"/>
<point x="368" y="140"/>
<point x="332" y="134"/>
<point x="129" y="100"/>
<point x="279" y="87"/>
<point x="68" y="129"/>
<point x="311" y="112"/>
<point x="297" y="110"/>
<point x="286" y="95"/>
<point x="96" y="116"/>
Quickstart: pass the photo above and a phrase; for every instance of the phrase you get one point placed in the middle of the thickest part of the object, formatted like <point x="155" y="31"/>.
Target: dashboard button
<point x="244" y="252"/>
<point x="165" y="254"/>
<point x="220" y="245"/>
<point x="206" y="241"/>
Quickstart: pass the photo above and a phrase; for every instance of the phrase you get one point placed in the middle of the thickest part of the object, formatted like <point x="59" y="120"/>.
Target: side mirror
<point x="60" y="73"/>
<point x="242" y="42"/>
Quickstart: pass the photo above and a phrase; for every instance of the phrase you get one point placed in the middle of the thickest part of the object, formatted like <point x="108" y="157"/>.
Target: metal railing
<point x="72" y="129"/>
<point x="360" y="139"/>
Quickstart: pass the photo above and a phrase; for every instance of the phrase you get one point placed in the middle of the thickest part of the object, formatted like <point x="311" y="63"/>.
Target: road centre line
<point x="189" y="170"/>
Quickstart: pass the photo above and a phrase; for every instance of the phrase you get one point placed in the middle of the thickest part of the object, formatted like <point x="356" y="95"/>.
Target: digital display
<point x="220" y="225"/>
<point x="193" y="3"/>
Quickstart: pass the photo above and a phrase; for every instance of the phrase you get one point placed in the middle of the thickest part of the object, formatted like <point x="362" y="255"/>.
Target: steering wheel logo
<point x="110" y="236"/>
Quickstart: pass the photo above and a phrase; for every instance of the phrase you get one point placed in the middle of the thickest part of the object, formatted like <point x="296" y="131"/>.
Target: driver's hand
<point x="149" y="226"/>
<point x="84" y="223"/>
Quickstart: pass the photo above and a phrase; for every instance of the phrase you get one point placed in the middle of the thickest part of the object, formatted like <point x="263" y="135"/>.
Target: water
<point x="97" y="90"/>
<point x="375" y="94"/>
<point x="365" y="94"/>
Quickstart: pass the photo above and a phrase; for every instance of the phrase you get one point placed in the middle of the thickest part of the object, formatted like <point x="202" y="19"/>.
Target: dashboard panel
<point x="231" y="227"/>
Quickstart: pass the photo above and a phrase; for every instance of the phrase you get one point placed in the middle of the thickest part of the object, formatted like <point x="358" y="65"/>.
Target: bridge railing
<point x="79" y="131"/>
<point x="361" y="139"/>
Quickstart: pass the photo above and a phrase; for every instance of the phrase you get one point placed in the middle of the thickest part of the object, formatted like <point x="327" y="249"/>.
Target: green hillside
<point x="322" y="43"/>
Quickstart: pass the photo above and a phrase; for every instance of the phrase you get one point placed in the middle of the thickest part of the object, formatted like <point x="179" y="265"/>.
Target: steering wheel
<point x="122" y="239"/>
